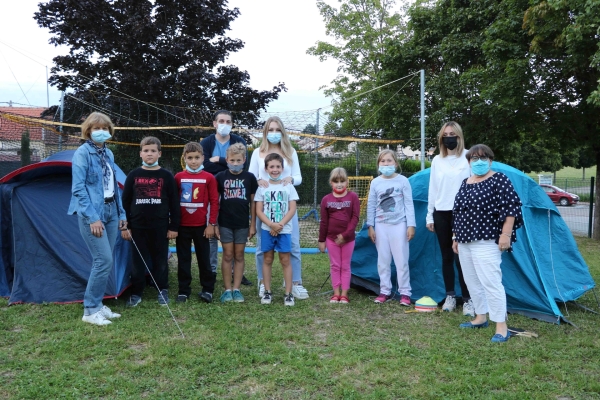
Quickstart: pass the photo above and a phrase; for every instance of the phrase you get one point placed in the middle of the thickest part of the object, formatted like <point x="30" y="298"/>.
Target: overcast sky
<point x="276" y="34"/>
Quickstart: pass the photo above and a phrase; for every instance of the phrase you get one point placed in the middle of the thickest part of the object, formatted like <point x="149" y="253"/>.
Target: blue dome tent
<point x="44" y="258"/>
<point x="545" y="268"/>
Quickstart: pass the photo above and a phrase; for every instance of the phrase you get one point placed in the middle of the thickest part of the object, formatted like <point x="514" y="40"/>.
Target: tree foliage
<point x="159" y="51"/>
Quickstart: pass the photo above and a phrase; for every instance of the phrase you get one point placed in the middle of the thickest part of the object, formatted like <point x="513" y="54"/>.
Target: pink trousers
<point x="339" y="259"/>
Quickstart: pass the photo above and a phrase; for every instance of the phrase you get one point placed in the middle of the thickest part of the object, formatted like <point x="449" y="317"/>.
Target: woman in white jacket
<point x="276" y="140"/>
<point x="448" y="170"/>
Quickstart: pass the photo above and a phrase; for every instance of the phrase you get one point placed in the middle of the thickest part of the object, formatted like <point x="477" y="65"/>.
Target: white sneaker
<point x="108" y="314"/>
<point x="261" y="289"/>
<point x="96" y="318"/>
<point x="449" y="304"/>
<point x="266" y="299"/>
<point x="469" y="308"/>
<point x="289" y="300"/>
<point x="299" y="292"/>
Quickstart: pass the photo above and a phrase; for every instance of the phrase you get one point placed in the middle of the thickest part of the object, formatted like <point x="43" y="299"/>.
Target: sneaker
<point x="382" y="298"/>
<point x="133" y="301"/>
<point x="246" y="281"/>
<point x="266" y="299"/>
<point x="226" y="296"/>
<point x="261" y="290"/>
<point x="206" y="297"/>
<point x="96" y="318"/>
<point x="109" y="314"/>
<point x="238" y="297"/>
<point x="469" y="308"/>
<point x="182" y="298"/>
<point x="163" y="297"/>
<point x="449" y="304"/>
<point x="289" y="300"/>
<point x="299" y="292"/>
<point x="405" y="300"/>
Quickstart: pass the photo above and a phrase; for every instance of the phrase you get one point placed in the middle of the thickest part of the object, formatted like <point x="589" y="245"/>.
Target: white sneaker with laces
<point x="289" y="300"/>
<point x="261" y="289"/>
<point x="108" y="314"/>
<point x="469" y="308"/>
<point x="299" y="292"/>
<point x="449" y="304"/>
<point x="96" y="318"/>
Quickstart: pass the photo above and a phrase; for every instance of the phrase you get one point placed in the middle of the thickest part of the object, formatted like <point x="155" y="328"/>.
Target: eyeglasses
<point x="477" y="158"/>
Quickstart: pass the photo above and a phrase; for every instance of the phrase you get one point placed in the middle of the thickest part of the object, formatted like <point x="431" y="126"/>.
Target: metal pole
<point x="423" y="154"/>
<point x="316" y="161"/>
<point x="62" y="112"/>
<point x="47" y="89"/>
<point x="591" y="219"/>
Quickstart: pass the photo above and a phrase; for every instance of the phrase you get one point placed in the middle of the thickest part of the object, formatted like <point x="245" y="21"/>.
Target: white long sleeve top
<point x="257" y="167"/>
<point x="390" y="202"/>
<point x="446" y="176"/>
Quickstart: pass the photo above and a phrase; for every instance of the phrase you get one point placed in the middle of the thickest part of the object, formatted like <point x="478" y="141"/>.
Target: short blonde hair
<point x="96" y="118"/>
<point x="237" y="148"/>
<point x="338" y="174"/>
<point x="192" y="147"/>
<point x="458" y="131"/>
<point x="149" y="140"/>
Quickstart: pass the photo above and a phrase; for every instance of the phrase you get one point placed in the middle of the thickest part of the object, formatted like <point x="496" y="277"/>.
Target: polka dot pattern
<point x="481" y="208"/>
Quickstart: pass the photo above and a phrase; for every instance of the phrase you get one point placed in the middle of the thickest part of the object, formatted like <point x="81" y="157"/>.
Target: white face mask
<point x="223" y="129"/>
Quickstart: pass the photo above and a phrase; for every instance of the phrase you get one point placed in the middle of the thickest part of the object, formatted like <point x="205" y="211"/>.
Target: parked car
<point x="559" y="196"/>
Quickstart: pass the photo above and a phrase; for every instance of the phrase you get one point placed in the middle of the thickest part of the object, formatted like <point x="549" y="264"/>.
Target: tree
<point x="362" y="30"/>
<point x="159" y="51"/>
<point x="25" y="149"/>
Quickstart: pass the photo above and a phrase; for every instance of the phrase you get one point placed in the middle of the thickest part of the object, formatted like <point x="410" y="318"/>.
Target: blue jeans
<point x="101" y="249"/>
<point x="296" y="260"/>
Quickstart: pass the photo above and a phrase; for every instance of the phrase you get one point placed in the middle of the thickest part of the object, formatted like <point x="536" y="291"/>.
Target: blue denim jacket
<point x="87" y="192"/>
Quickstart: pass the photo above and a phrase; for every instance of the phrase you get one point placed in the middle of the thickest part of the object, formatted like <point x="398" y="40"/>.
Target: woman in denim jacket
<point x="96" y="200"/>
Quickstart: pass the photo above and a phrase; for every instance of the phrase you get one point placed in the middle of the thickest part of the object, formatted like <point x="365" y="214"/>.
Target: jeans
<point x="101" y="249"/>
<point x="295" y="253"/>
<point x="442" y="221"/>
<point x="154" y="247"/>
<point x="186" y="235"/>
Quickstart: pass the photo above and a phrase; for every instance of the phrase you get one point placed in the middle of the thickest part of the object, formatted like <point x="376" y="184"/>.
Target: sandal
<point x="334" y="299"/>
<point x="344" y="299"/>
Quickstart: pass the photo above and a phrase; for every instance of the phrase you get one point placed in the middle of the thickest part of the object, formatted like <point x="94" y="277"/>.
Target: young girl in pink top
<point x="339" y="217"/>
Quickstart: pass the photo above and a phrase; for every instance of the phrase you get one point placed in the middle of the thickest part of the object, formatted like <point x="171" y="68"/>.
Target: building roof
<point x="11" y="130"/>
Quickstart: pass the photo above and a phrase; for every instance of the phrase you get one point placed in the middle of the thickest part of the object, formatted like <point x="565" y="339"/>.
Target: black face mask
<point x="450" y="142"/>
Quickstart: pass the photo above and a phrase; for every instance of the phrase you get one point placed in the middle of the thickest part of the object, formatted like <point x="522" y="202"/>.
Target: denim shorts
<point x="237" y="236"/>
<point x="281" y="243"/>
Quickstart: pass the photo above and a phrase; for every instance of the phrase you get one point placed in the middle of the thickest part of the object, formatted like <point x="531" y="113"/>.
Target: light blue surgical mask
<point x="100" y="136"/>
<point x="274" y="137"/>
<point x="275" y="179"/>
<point x="223" y="129"/>
<point x="194" y="171"/>
<point x="145" y="164"/>
<point x="235" y="168"/>
<point x="387" y="170"/>
<point x="480" y="167"/>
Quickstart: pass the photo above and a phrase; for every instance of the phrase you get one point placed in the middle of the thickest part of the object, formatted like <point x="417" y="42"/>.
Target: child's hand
<point x="273" y="233"/>
<point x="339" y="240"/>
<point x="322" y="247"/>
<point x="251" y="232"/>
<point x="209" y="232"/>
<point x="410" y="233"/>
<point x="372" y="234"/>
<point x="171" y="235"/>
<point x="125" y="235"/>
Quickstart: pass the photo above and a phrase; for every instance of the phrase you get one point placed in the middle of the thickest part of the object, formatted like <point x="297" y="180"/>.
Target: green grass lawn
<point x="568" y="173"/>
<point x="314" y="350"/>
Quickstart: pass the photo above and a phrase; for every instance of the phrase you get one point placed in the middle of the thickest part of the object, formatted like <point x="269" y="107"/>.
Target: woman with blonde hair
<point x="448" y="170"/>
<point x="276" y="140"/>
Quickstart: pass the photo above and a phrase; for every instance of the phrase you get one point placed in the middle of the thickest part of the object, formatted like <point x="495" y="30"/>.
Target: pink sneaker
<point x="382" y="298"/>
<point x="405" y="300"/>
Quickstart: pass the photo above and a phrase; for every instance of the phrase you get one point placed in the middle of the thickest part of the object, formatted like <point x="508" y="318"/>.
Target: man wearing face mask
<point x="215" y="160"/>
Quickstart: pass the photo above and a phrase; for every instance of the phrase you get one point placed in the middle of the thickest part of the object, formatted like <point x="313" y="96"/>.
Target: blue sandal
<point x="474" y="326"/>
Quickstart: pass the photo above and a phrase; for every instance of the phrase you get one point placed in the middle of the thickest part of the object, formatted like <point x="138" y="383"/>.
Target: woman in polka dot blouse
<point x="487" y="212"/>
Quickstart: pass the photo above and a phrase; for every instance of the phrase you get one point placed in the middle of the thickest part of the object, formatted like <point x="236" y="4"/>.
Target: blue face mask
<point x="100" y="136"/>
<point x="194" y="171"/>
<point x="235" y="168"/>
<point x="223" y="129"/>
<point x="275" y="179"/>
<point x="274" y="137"/>
<point x="149" y="165"/>
<point x="387" y="170"/>
<point x="480" y="167"/>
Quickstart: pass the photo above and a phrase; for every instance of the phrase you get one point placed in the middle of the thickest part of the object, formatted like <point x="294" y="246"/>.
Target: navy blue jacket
<point x="208" y="146"/>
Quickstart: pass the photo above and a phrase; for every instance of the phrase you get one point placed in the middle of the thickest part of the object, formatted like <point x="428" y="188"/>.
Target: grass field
<point x="314" y="350"/>
<point x="568" y="173"/>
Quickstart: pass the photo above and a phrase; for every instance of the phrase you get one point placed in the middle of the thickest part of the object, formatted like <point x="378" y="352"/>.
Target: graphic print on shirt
<point x="387" y="202"/>
<point x="148" y="190"/>
<point x="191" y="190"/>
<point x="339" y="204"/>
<point x="234" y="189"/>
<point x="276" y="204"/>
